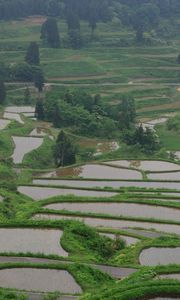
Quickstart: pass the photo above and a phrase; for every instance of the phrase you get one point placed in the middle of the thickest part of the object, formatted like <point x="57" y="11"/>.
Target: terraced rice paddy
<point x="120" y="209"/>
<point x="41" y="280"/>
<point x="13" y="116"/>
<point x="4" y="123"/>
<point x="145" y="165"/>
<point x="160" y="256"/>
<point x="112" y="184"/>
<point x="25" y="240"/>
<point x="24" y="145"/>
<point x="89" y="171"/>
<point x="38" y="193"/>
<point x="114" y="224"/>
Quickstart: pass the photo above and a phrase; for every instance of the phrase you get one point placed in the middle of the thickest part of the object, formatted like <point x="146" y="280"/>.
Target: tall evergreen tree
<point x="39" y="109"/>
<point x="32" y="54"/>
<point x="50" y="33"/>
<point x="127" y="112"/>
<point x="2" y="92"/>
<point x="39" y="80"/>
<point x="27" y="96"/>
<point x="64" y="152"/>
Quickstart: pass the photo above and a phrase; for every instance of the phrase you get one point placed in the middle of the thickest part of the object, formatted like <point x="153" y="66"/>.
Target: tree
<point x="64" y="152"/>
<point x="127" y="112"/>
<point x="50" y="33"/>
<point x="143" y="19"/>
<point x="32" y="54"/>
<point x="75" y="39"/>
<point x="39" y="80"/>
<point x="39" y="109"/>
<point x="27" y="96"/>
<point x="2" y="92"/>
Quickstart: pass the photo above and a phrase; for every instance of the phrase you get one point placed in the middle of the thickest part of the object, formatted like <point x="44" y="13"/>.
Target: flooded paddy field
<point x="38" y="193"/>
<point x="170" y="276"/>
<point x="31" y="240"/>
<point x="42" y="280"/>
<point x="120" y="209"/>
<point x="4" y="123"/>
<point x="96" y="171"/>
<point x="24" y="145"/>
<point x="115" y="224"/>
<point x="20" y="109"/>
<point x="113" y="184"/>
<point x="13" y="116"/>
<point x="160" y="256"/>
<point x="146" y="165"/>
<point x="165" y="176"/>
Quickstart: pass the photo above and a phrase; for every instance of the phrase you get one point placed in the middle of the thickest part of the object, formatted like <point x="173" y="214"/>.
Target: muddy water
<point x="20" y="109"/>
<point x="38" y="193"/>
<point x="146" y="165"/>
<point x="101" y="147"/>
<point x="4" y="123"/>
<point x="13" y="116"/>
<point x="97" y="171"/>
<point x="117" y="224"/>
<point x="128" y="239"/>
<point x="31" y="240"/>
<point x="23" y="145"/>
<point x="165" y="176"/>
<point x="121" y="209"/>
<point x="112" y="184"/>
<point x="160" y="256"/>
<point x="39" y="280"/>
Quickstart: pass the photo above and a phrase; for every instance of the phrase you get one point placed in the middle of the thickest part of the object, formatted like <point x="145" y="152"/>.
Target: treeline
<point x="101" y="10"/>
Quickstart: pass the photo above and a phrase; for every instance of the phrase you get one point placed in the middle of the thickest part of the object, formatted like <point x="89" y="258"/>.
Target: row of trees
<point x="141" y="15"/>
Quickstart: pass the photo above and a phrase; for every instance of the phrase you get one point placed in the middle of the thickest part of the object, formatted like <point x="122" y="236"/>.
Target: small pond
<point x="38" y="193"/>
<point x="160" y="256"/>
<point x="24" y="145"/>
<point x="31" y="240"/>
<point x="128" y="239"/>
<point x="42" y="280"/>
<point x="120" y="209"/>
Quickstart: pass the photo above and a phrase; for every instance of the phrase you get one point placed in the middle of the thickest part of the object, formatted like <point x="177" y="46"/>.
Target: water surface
<point x="13" y="116"/>
<point x="96" y="171"/>
<point x="120" y="209"/>
<point x="112" y="184"/>
<point x="151" y="165"/>
<point x="31" y="240"/>
<point x="20" y="109"/>
<point x="42" y="280"/>
<point x="4" y="123"/>
<point x="24" y="145"/>
<point x="38" y="193"/>
<point x="165" y="176"/>
<point x="160" y="256"/>
<point x="110" y="223"/>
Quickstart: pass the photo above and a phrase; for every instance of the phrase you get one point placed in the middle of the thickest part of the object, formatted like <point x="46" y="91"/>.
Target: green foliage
<point x="64" y="151"/>
<point x="2" y="92"/>
<point x="145" y="138"/>
<point x="174" y="123"/>
<point x="39" y="109"/>
<point x="50" y="33"/>
<point x="86" y="242"/>
<point x="32" y="54"/>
